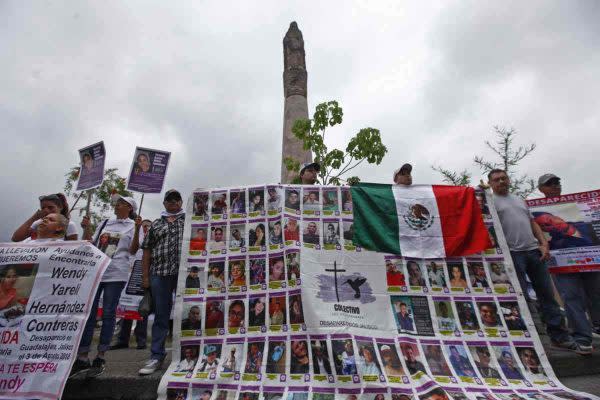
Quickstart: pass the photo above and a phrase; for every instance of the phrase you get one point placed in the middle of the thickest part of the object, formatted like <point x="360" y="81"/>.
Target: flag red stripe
<point x="460" y="216"/>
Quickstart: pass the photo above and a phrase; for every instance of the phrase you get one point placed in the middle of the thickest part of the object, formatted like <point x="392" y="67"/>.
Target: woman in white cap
<point x="116" y="235"/>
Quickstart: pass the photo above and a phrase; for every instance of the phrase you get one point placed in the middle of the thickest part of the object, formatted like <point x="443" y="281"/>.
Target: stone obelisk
<point x="296" y="106"/>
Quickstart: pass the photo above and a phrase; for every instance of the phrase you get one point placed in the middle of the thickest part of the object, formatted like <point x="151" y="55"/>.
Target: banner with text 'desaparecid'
<point x="46" y="290"/>
<point x="275" y="301"/>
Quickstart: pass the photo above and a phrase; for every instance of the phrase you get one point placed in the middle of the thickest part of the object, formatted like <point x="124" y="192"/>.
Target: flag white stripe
<point x="427" y="240"/>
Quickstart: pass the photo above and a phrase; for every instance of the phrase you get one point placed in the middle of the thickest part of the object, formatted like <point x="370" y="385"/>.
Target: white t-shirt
<point x="115" y="240"/>
<point x="71" y="229"/>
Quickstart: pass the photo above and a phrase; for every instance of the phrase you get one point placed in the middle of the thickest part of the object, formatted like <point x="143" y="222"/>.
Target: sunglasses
<point x="50" y="197"/>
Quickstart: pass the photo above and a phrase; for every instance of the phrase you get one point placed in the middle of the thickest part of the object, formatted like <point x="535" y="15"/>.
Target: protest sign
<point x="148" y="170"/>
<point x="91" y="173"/>
<point x="278" y="302"/>
<point x="132" y="293"/>
<point x="45" y="297"/>
<point x="571" y="223"/>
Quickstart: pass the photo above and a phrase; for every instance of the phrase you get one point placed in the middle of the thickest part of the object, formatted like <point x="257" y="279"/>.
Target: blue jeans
<point x="529" y="262"/>
<point x="162" y="288"/>
<point x="110" y="301"/>
<point x="140" y="331"/>
<point x="581" y="293"/>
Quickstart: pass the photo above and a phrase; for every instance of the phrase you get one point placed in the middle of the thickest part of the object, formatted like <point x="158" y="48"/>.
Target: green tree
<point x="509" y="158"/>
<point x="100" y="197"/>
<point x="366" y="145"/>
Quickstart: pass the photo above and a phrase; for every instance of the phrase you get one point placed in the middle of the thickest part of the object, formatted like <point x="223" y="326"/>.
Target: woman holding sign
<point x="49" y="204"/>
<point x="118" y="233"/>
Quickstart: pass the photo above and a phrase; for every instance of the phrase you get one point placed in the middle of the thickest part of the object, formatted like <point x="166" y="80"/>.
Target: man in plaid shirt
<point x="160" y="265"/>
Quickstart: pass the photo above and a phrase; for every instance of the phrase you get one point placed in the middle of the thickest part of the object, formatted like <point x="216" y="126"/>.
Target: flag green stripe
<point x="375" y="218"/>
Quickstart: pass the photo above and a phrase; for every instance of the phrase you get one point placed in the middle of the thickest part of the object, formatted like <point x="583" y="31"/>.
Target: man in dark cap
<point x="402" y="176"/>
<point x="160" y="265"/>
<point x="308" y="173"/>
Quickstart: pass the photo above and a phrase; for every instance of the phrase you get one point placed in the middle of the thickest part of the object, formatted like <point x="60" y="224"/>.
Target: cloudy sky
<point x="203" y="80"/>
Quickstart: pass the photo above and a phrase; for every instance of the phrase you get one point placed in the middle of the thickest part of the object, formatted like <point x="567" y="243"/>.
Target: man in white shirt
<point x="529" y="249"/>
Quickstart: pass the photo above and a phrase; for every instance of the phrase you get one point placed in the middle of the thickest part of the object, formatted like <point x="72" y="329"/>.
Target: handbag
<point x="145" y="307"/>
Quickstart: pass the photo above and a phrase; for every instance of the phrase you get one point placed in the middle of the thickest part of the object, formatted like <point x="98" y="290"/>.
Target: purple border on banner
<point x="227" y="386"/>
<point x="188" y="342"/>
<point x="406" y="339"/>
<point x="385" y="341"/>
<point x="237" y="258"/>
<point x="507" y="298"/>
<point x="273" y="389"/>
<point x="476" y="343"/>
<point x="522" y="343"/>
<point x="202" y="385"/>
<point x="257" y="295"/>
<point x="455" y="342"/>
<point x="178" y="385"/>
<point x="476" y="390"/>
<point x="255" y="339"/>
<point x="196" y="260"/>
<point x="463" y="298"/>
<point x="402" y="390"/>
<point x="341" y="336"/>
<point x="294" y="292"/>
<point x="236" y="296"/>
<point x="441" y="298"/>
<point x="235" y="340"/>
<point x="349" y="390"/>
<point x="250" y="387"/>
<point x="198" y="299"/>
<point x="426" y="386"/>
<point x="213" y="341"/>
<point x="318" y="337"/>
<point x="274" y="255"/>
<point x="430" y="341"/>
<point x="323" y="390"/>
<point x="298" y="388"/>
<point x="364" y="338"/>
<point x="375" y="390"/>
<point x="299" y="337"/>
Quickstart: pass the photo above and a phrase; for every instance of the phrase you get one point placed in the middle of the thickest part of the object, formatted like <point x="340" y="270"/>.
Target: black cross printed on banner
<point x="335" y="272"/>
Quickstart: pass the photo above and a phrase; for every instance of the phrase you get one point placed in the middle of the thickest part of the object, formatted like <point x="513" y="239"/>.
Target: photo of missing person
<point x="310" y="199"/>
<point x="248" y="396"/>
<point x="346" y="200"/>
<point x="254" y="357"/>
<point x="215" y="315"/>
<point x="292" y="199"/>
<point x="457" y="394"/>
<point x="210" y="358"/>
<point x="189" y="357"/>
<point x="392" y="366"/>
<point x="323" y="396"/>
<point x="198" y="239"/>
<point x="273" y="198"/>
<point x="195" y="278"/>
<point x="563" y="225"/>
<point x="231" y="357"/>
<point x="143" y="163"/>
<point x="467" y="316"/>
<point x="16" y="283"/>
<point x="445" y="315"/>
<point x="276" y="269"/>
<point x="456" y="272"/>
<point x="495" y="249"/>
<point x="435" y="274"/>
<point x="348" y="227"/>
<point x="435" y="359"/>
<point x="330" y="200"/>
<point x="216" y="275"/>
<point x="484" y="362"/>
<point x="512" y="316"/>
<point x="367" y="363"/>
<point x="237" y="239"/>
<point x="532" y="365"/>
<point x="176" y="394"/>
<point x="272" y="395"/>
<point x="292" y="260"/>
<point x="257" y="312"/>
<point x="401" y="396"/>
<point x="236" y="314"/>
<point x="258" y="275"/>
<point x="481" y="200"/>
<point x="276" y="357"/>
<point x="498" y="273"/>
<point x="237" y="273"/>
<point x="311" y="232"/>
<point x="297" y="396"/>
<point x="201" y="394"/>
<point x="394" y="274"/>
<point x="415" y="274"/>
<point x="256" y="200"/>
<point x="217" y="237"/>
<point x="331" y="234"/>
<point x="435" y="394"/>
<point x="108" y="242"/>
<point x="275" y="232"/>
<point x="226" y="395"/>
<point x="291" y="230"/>
<point x="460" y="361"/>
<point x="410" y="351"/>
<point x="477" y="275"/>
<point x="488" y="311"/>
<point x="257" y="234"/>
<point x="299" y="357"/>
<point x="200" y="204"/>
<point x="295" y="311"/>
<point x="87" y="162"/>
<point x="219" y="203"/>
<point x="320" y="356"/>
<point x="507" y="362"/>
<point x="277" y="310"/>
<point x="191" y="318"/>
<point x="344" y="359"/>
<point x="403" y="313"/>
<point x="237" y="202"/>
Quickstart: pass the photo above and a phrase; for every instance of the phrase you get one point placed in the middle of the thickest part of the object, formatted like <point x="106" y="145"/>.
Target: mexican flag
<point x="422" y="221"/>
